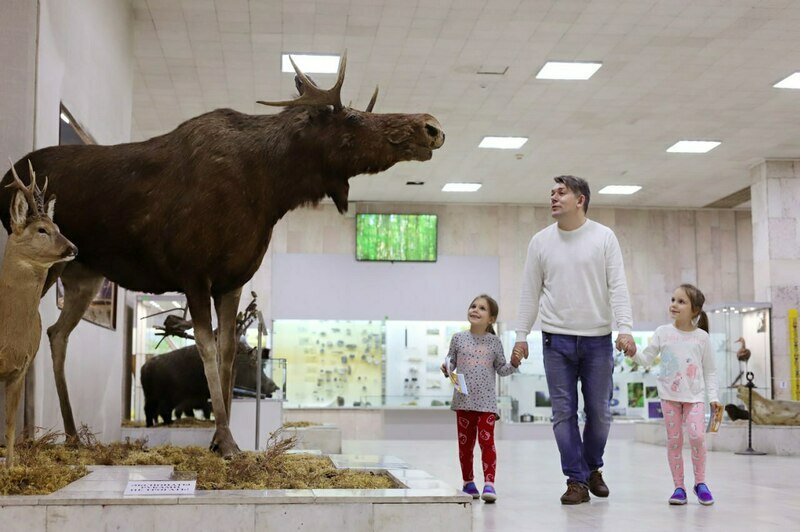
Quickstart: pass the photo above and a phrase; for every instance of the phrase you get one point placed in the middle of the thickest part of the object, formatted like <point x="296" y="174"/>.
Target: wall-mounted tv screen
<point x="396" y="237"/>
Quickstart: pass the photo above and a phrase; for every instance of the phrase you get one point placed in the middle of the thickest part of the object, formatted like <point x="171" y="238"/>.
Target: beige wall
<point x="661" y="248"/>
<point x="85" y="60"/>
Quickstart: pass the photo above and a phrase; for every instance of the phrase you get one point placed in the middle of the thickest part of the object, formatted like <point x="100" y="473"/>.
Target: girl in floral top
<point x="687" y="375"/>
<point x="478" y="356"/>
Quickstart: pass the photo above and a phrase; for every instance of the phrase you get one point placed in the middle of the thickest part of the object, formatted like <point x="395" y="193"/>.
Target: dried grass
<point x="44" y="465"/>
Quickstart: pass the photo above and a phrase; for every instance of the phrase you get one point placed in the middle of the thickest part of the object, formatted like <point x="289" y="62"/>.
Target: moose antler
<point x="372" y="100"/>
<point x="313" y="95"/>
<point x="33" y="195"/>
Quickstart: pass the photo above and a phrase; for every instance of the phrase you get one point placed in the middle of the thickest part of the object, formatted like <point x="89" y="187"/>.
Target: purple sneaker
<point x="678" y="497"/>
<point x="704" y="496"/>
<point x="471" y="489"/>
<point x="489" y="495"/>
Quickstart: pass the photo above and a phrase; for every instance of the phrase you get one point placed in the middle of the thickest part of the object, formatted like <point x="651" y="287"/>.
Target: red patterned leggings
<point x="481" y="425"/>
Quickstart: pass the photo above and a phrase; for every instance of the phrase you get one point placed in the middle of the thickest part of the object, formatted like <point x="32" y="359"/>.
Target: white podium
<point x="243" y="421"/>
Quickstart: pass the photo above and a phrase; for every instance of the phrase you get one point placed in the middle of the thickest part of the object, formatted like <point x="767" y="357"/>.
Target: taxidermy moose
<point x="193" y="210"/>
<point x="33" y="246"/>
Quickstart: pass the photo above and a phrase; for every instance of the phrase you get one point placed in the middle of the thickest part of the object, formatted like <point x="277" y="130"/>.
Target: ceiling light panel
<point x="693" y="146"/>
<point x="620" y="189"/>
<point x="311" y="63"/>
<point x="568" y="71"/>
<point x="503" y="143"/>
<point x="791" y="82"/>
<point x="461" y="187"/>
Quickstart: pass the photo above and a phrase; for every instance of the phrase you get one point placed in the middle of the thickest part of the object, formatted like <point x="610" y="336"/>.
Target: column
<point x="775" y="192"/>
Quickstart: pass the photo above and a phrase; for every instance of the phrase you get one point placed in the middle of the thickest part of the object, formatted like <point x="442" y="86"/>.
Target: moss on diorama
<point x="45" y="466"/>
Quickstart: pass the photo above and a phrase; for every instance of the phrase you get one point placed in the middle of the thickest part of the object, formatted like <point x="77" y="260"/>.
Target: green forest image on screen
<point x="396" y="237"/>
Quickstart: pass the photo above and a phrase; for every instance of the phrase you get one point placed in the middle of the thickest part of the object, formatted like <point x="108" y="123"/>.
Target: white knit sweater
<point x="574" y="280"/>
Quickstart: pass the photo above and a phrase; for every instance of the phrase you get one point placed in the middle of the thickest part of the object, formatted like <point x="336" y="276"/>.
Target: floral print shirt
<point x="478" y="358"/>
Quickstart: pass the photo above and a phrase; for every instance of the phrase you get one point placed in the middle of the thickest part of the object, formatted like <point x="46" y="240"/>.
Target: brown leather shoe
<point x="576" y="493"/>
<point x="596" y="484"/>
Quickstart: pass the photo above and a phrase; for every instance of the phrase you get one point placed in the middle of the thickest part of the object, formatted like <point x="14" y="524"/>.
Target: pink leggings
<point x="692" y="415"/>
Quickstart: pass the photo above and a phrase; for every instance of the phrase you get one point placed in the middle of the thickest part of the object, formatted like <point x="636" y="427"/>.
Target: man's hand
<point x="626" y="344"/>
<point x="521" y="348"/>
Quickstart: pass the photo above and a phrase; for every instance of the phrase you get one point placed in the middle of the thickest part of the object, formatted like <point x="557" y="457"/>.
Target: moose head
<point x="350" y="141"/>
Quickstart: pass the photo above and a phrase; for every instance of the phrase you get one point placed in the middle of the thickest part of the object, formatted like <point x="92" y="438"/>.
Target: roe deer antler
<point x="33" y="195"/>
<point x="312" y="95"/>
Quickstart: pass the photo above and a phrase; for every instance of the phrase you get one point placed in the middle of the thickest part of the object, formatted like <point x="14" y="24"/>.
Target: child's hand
<point x="516" y="357"/>
<point x="444" y="370"/>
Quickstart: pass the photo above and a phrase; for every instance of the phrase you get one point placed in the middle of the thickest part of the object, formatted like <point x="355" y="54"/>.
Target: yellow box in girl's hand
<point x="459" y="382"/>
<point x="715" y="419"/>
<point x="457" y="379"/>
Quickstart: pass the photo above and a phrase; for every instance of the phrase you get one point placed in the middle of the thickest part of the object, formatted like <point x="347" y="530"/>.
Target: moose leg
<point x="200" y="308"/>
<point x="80" y="287"/>
<point x="13" y="394"/>
<point x="226" y="305"/>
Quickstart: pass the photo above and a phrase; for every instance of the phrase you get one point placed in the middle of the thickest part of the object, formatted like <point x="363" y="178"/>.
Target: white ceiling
<point x="672" y="70"/>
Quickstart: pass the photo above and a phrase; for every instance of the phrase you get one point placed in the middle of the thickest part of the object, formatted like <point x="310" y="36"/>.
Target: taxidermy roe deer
<point x="34" y="245"/>
<point x="192" y="210"/>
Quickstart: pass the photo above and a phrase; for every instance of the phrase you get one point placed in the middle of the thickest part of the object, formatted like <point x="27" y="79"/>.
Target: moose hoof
<point x="223" y="444"/>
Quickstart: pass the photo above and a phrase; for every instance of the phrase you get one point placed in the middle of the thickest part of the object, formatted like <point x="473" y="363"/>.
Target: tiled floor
<point x="752" y="493"/>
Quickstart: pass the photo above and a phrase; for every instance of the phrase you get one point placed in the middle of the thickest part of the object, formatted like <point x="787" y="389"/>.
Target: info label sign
<point x="160" y="487"/>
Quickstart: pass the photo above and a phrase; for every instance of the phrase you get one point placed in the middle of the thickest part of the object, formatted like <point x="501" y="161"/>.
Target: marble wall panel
<point x="23" y="518"/>
<point x="356" y="517"/>
<point x="661" y="248"/>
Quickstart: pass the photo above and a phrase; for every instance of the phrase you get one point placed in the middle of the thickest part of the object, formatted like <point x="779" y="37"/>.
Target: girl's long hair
<point x="697" y="299"/>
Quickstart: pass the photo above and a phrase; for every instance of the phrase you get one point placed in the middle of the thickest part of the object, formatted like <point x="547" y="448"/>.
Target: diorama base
<point x="96" y="502"/>
<point x="771" y="439"/>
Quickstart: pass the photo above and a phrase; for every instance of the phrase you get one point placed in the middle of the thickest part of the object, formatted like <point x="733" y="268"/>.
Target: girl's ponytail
<point x="490" y="329"/>
<point x="702" y="321"/>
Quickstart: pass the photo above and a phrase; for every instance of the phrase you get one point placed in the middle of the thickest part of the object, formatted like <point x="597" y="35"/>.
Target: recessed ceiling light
<point x="503" y="143"/>
<point x="619" y="189"/>
<point x="415" y="182"/>
<point x="792" y="82"/>
<point x="572" y="70"/>
<point x="461" y="187"/>
<point x="311" y="63"/>
<point x="693" y="146"/>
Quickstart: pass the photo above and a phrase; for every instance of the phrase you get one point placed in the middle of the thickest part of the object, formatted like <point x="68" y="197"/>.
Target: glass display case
<point x="634" y="393"/>
<point x="149" y="340"/>
<point x="740" y="336"/>
<point x="331" y="362"/>
<point x="416" y="350"/>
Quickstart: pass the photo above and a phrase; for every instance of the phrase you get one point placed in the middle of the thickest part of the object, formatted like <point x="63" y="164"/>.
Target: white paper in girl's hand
<point x="456" y="378"/>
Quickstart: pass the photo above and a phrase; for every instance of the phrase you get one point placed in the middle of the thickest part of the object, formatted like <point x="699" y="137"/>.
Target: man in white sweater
<point x="574" y="280"/>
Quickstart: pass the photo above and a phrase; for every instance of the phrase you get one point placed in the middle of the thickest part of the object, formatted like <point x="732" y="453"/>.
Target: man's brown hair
<point x="577" y="186"/>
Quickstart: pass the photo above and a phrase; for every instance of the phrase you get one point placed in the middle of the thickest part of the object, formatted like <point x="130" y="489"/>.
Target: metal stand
<point x="750" y="451"/>
<point x="259" y="368"/>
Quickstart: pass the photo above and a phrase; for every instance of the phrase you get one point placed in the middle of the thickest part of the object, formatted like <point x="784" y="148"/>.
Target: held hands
<point x="626" y="344"/>
<point x="519" y="352"/>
